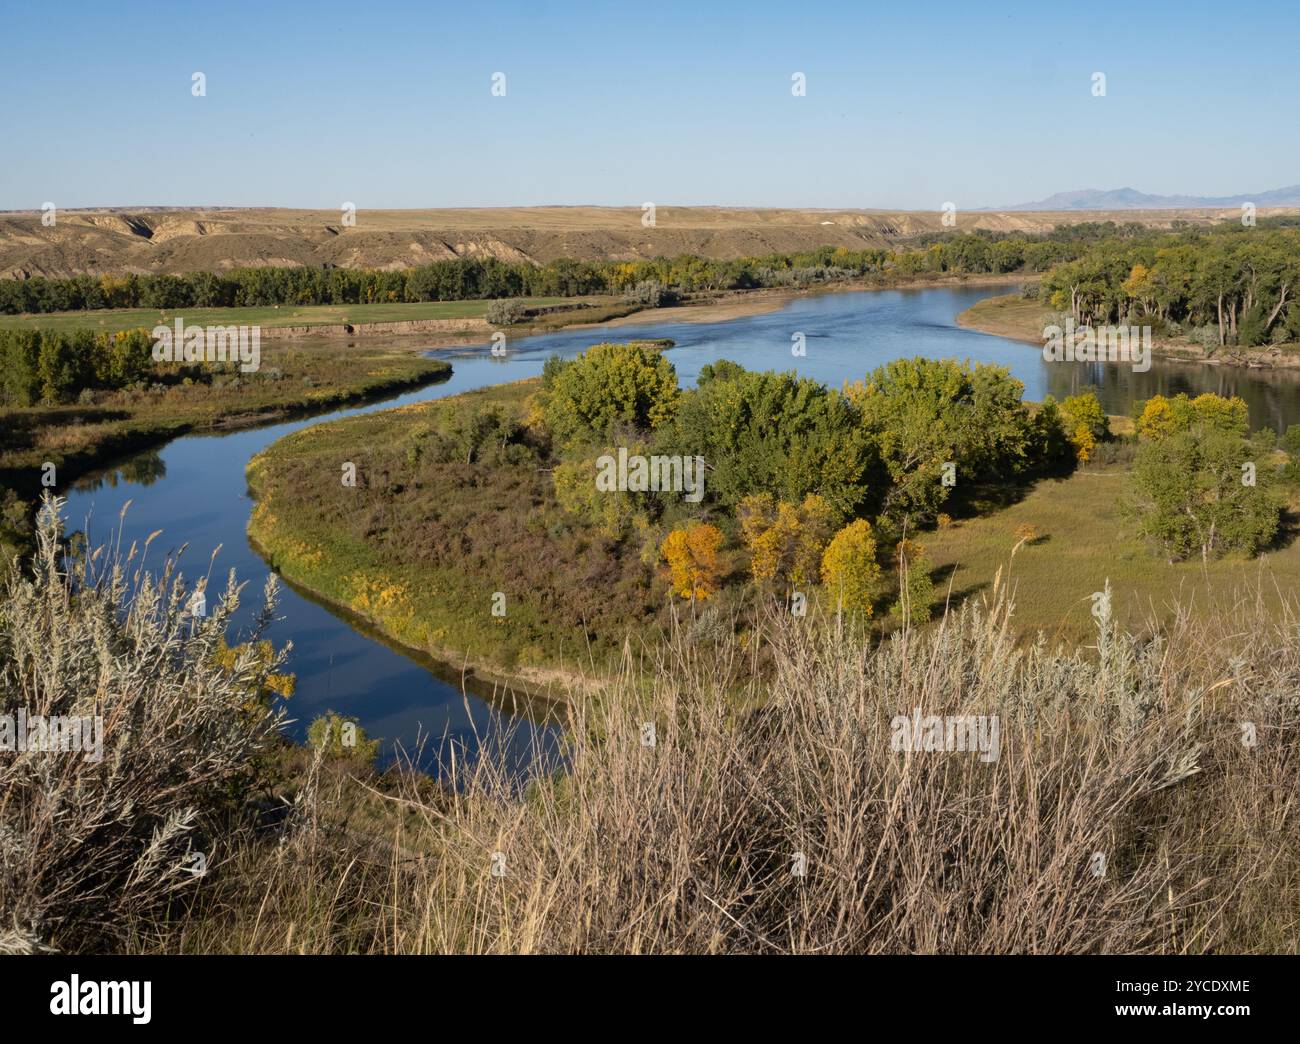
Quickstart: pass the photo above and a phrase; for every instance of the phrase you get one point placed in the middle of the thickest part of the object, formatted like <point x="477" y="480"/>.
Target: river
<point x="193" y="488"/>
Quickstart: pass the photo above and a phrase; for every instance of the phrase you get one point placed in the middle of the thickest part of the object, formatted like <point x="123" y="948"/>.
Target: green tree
<point x="775" y="433"/>
<point x="608" y="385"/>
<point x="1203" y="490"/>
<point x="1085" y="422"/>
<point x="925" y="413"/>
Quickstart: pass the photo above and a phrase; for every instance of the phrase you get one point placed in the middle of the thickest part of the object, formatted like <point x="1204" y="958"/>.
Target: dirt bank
<point x="1009" y="316"/>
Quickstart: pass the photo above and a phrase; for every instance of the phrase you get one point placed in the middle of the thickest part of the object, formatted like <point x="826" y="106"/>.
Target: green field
<point x="1083" y="540"/>
<point x="113" y="320"/>
<point x="295" y="377"/>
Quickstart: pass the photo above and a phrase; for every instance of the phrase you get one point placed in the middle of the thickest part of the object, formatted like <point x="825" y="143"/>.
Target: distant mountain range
<point x="1132" y="199"/>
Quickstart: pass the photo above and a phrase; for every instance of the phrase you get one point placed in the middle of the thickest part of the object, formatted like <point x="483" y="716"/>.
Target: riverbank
<point x="456" y="323"/>
<point x="1018" y="319"/>
<point x="293" y="381"/>
<point x="449" y="559"/>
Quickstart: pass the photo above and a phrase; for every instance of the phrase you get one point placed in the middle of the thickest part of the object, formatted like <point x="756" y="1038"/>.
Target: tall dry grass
<point x="1131" y="749"/>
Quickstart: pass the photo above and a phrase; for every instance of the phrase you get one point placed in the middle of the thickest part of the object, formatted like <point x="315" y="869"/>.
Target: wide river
<point x="193" y="488"/>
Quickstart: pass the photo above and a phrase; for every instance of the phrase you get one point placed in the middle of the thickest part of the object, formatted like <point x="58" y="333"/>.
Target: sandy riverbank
<point x="1010" y="316"/>
<point x="731" y="304"/>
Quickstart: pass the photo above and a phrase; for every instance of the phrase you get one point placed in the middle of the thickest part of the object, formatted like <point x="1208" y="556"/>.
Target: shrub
<point x="648" y="294"/>
<point x="92" y="845"/>
<point x="342" y="739"/>
<point x="915" y="588"/>
<point x="506" y="312"/>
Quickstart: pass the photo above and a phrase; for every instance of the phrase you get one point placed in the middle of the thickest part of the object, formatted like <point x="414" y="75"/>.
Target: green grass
<point x="423" y="541"/>
<point x="294" y="378"/>
<point x="1007" y="315"/>
<point x="112" y="320"/>
<point x="1082" y="542"/>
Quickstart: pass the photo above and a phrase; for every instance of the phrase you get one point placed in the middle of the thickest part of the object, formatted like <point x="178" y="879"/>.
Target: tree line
<point x="466" y="278"/>
<point x="50" y="366"/>
<point x="815" y="483"/>
<point x="1237" y="285"/>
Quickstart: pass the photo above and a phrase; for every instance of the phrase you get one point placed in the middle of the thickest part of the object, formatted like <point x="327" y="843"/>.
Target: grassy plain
<point x="425" y="539"/>
<point x="112" y="320"/>
<point x="295" y="377"/>
<point x="1082" y="541"/>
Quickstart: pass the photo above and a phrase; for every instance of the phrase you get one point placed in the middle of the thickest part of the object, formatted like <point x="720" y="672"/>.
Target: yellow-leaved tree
<point x="785" y="540"/>
<point x="849" y="568"/>
<point x="693" y="564"/>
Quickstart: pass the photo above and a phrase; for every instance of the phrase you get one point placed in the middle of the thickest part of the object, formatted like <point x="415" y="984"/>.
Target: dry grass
<point x="767" y="747"/>
<point x="1132" y="750"/>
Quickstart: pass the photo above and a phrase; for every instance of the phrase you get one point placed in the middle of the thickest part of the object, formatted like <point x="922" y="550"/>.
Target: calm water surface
<point x="193" y="489"/>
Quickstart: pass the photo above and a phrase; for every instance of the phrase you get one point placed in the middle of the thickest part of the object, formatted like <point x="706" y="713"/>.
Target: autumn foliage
<point x="693" y="563"/>
<point x="785" y="540"/>
<point x="849" y="568"/>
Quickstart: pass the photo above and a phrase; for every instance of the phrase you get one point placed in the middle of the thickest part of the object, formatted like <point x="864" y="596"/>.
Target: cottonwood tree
<point x="1200" y="486"/>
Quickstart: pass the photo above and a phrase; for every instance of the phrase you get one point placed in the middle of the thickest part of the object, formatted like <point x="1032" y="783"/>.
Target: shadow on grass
<point x="957" y="596"/>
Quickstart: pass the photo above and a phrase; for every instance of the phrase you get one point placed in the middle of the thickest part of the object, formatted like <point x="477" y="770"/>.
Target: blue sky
<point x="388" y="105"/>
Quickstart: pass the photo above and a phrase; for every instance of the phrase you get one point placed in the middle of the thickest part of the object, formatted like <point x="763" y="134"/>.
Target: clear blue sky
<point x="909" y="104"/>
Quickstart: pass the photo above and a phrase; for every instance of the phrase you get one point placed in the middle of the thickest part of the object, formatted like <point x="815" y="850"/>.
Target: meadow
<point x="426" y="537"/>
<point x="269" y="316"/>
<point x="1081" y="541"/>
<point x="297" y="377"/>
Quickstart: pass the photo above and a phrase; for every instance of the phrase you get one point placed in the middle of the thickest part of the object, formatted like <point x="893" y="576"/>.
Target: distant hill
<point x="180" y="239"/>
<point x="1132" y="199"/>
